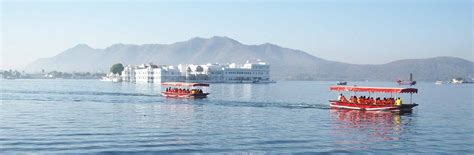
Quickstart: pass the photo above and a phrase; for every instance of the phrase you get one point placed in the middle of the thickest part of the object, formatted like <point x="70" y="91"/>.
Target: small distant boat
<point x="371" y="105"/>
<point x="342" y="83"/>
<point x="411" y="82"/>
<point x="439" y="82"/>
<point x="457" y="80"/>
<point x="111" y="78"/>
<point x="185" y="90"/>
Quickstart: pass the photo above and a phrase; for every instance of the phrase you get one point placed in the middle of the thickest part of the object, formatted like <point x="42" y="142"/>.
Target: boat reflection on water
<point x="367" y="129"/>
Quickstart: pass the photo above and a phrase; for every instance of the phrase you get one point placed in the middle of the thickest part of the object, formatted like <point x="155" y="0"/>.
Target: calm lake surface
<point x="89" y="116"/>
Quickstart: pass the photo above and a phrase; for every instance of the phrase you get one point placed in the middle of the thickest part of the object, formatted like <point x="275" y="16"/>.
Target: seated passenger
<point x="398" y="102"/>
<point x="341" y="98"/>
<point x="361" y="100"/>
<point x="371" y="100"/>
<point x="344" y="99"/>
<point x="354" y="100"/>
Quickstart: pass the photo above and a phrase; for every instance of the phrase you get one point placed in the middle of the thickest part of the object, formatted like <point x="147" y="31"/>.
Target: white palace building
<point x="209" y="73"/>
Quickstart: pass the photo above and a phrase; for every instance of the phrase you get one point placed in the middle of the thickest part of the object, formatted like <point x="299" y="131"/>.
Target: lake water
<point x="89" y="116"/>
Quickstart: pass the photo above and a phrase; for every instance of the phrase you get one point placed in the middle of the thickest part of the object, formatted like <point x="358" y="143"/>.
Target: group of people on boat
<point x="184" y="91"/>
<point x="370" y="100"/>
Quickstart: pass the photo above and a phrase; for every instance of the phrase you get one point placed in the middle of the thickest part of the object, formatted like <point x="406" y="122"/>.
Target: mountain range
<point x="286" y="64"/>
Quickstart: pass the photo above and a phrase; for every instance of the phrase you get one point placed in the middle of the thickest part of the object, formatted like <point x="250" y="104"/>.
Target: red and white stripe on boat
<point x="362" y="107"/>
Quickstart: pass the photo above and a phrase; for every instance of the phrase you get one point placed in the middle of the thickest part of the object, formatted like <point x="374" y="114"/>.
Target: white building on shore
<point x="150" y="73"/>
<point x="209" y="73"/>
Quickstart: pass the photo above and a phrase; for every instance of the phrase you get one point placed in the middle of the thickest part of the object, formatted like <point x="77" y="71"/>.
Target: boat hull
<point x="352" y="106"/>
<point x="184" y="95"/>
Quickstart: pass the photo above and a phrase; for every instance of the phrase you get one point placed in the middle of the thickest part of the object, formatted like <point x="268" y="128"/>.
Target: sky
<point x="351" y="31"/>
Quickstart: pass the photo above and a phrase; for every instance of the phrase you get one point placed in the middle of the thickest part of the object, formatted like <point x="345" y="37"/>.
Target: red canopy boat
<point x="185" y="90"/>
<point x="369" y="103"/>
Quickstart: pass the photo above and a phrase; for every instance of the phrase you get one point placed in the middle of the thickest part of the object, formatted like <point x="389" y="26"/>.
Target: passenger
<point x="340" y="97"/>
<point x="355" y="100"/>
<point x="398" y="102"/>
<point x="371" y="100"/>
<point x="361" y="100"/>
<point x="344" y="99"/>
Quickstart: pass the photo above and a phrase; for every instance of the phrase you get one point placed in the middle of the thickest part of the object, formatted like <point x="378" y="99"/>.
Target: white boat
<point x="111" y="77"/>
<point x="456" y="81"/>
<point x="439" y="82"/>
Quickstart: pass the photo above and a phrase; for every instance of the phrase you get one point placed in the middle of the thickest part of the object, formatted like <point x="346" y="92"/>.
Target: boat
<point x="457" y="80"/>
<point x="111" y="77"/>
<point x="373" y="106"/>
<point x="185" y="90"/>
<point x="411" y="82"/>
<point x="439" y="82"/>
<point x="342" y="83"/>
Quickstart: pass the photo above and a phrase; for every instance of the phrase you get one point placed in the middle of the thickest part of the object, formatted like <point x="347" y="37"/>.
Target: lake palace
<point x="258" y="72"/>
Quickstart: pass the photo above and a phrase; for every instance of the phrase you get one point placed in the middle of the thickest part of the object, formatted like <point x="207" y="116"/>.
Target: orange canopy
<point x="373" y="89"/>
<point x="176" y="84"/>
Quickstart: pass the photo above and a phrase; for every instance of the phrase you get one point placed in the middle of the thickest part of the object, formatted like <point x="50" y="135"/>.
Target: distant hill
<point x="285" y="63"/>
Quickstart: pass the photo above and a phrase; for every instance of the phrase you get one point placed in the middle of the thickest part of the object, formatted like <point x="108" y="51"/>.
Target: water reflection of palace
<point x="365" y="128"/>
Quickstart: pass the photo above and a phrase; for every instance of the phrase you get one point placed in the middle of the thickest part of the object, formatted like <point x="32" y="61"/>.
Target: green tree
<point x="117" y="68"/>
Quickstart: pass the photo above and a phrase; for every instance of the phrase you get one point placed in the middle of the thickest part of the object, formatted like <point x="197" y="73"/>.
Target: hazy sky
<point x="363" y="32"/>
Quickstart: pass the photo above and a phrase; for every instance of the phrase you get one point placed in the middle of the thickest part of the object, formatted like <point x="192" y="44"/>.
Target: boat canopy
<point x="374" y="89"/>
<point x="176" y="84"/>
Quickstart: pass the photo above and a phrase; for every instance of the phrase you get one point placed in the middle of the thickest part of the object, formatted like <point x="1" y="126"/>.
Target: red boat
<point x="185" y="90"/>
<point x="368" y="103"/>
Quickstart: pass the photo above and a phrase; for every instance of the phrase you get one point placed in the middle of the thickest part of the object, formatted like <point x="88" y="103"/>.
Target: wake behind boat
<point x="369" y="103"/>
